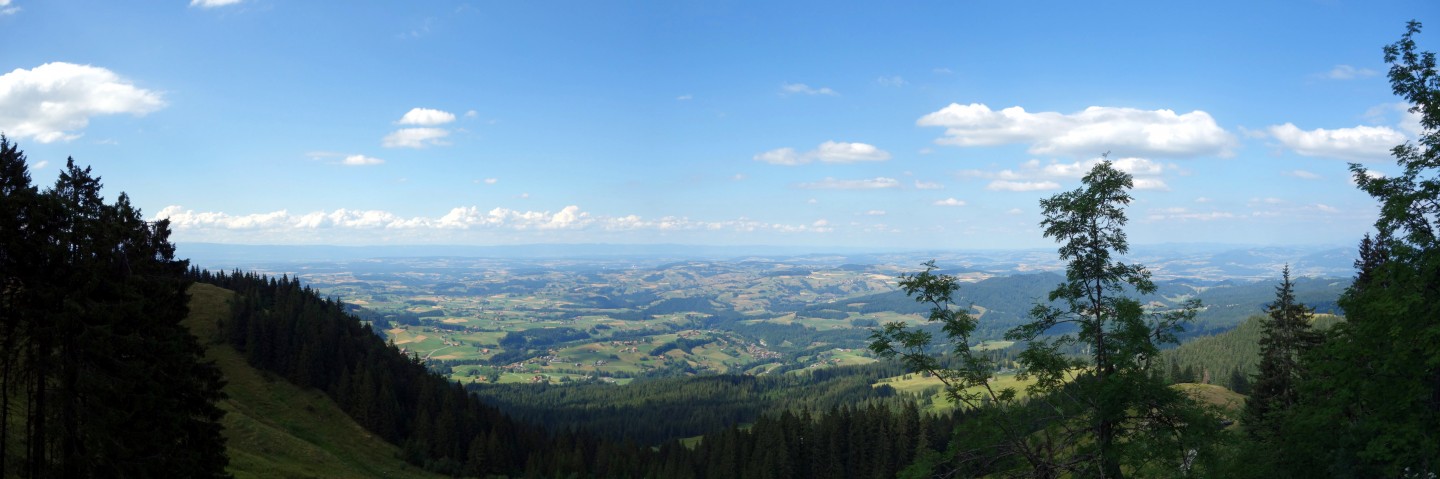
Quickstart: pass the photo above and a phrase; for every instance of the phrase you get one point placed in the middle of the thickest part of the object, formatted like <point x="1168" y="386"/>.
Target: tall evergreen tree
<point x="1286" y="337"/>
<point x="109" y="383"/>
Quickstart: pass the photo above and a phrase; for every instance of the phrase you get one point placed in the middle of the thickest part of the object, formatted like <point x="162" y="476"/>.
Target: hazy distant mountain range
<point x="1193" y="261"/>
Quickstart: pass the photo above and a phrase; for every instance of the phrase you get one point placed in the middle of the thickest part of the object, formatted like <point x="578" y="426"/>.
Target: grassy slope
<point x="275" y="429"/>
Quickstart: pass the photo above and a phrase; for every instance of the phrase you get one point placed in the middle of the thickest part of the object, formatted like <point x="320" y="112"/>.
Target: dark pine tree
<point x="99" y="377"/>
<point x="1286" y="337"/>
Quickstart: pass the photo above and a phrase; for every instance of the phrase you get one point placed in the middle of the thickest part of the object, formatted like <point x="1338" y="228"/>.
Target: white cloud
<point x="942" y="71"/>
<point x="1347" y="72"/>
<point x="41" y="165"/>
<point x="1006" y="185"/>
<point x="1203" y="199"/>
<point x="1035" y="176"/>
<point x="1015" y="211"/>
<point x="842" y="152"/>
<point x="52" y="101"/>
<point x="1361" y="143"/>
<point x="928" y="185"/>
<point x="1183" y="214"/>
<point x="6" y="9"/>
<point x="684" y="97"/>
<point x="895" y="81"/>
<point x="489" y="181"/>
<point x="1326" y="208"/>
<point x="327" y="226"/>
<point x="1398" y="113"/>
<point x="212" y="3"/>
<point x="360" y="160"/>
<point x="874" y="213"/>
<point x="949" y="202"/>
<point x="805" y="89"/>
<point x="739" y="177"/>
<point x="827" y="152"/>
<point x="415" y="137"/>
<point x="834" y="184"/>
<point x="1302" y="174"/>
<point x="1126" y="131"/>
<point x="1265" y="201"/>
<point x="1151" y="184"/>
<point x="781" y="156"/>
<point x="471" y="114"/>
<point x="426" y="117"/>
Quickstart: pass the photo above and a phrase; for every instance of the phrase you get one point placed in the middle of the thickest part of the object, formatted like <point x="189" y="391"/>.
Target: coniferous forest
<point x="98" y="378"/>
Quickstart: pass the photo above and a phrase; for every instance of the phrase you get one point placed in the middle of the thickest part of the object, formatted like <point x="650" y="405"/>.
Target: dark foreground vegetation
<point x="99" y="378"/>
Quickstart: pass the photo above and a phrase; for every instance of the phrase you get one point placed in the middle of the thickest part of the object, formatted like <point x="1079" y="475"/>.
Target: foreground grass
<point x="274" y="429"/>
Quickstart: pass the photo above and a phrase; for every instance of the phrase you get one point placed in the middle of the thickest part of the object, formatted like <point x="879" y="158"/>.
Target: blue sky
<point x="923" y="125"/>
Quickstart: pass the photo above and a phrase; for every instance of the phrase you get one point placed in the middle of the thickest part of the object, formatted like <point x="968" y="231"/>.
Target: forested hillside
<point x="272" y="427"/>
<point x="1227" y="359"/>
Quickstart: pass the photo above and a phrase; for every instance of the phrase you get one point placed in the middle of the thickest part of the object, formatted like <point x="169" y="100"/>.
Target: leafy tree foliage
<point x="1103" y="413"/>
<point x="1117" y="415"/>
<point x="967" y="380"/>
<point x="99" y="377"/>
<point x="1372" y="406"/>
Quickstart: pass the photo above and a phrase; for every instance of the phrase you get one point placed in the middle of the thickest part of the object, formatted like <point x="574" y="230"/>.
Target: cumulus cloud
<point x="949" y="202"/>
<point x="1347" y="72"/>
<point x="928" y="185"/>
<point x="361" y="160"/>
<point x="804" y="89"/>
<point x="53" y="101"/>
<point x="1151" y="184"/>
<point x="874" y="213"/>
<point x="827" y="152"/>
<point x="1361" y="143"/>
<point x="426" y="117"/>
<point x="7" y="9"/>
<point x="457" y="221"/>
<point x="415" y="137"/>
<point x="1126" y="131"/>
<point x="212" y="3"/>
<point x="42" y="164"/>
<point x="1036" y="176"/>
<point x="1008" y="185"/>
<point x="879" y="182"/>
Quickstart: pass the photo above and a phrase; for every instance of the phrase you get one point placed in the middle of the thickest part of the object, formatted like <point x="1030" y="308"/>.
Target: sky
<point x="929" y="125"/>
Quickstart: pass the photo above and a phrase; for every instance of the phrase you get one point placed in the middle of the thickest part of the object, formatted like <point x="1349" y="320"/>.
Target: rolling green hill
<point x="275" y="429"/>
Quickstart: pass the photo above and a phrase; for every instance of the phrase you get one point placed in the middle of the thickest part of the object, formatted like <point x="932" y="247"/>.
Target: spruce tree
<point x="110" y="384"/>
<point x="1285" y="338"/>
